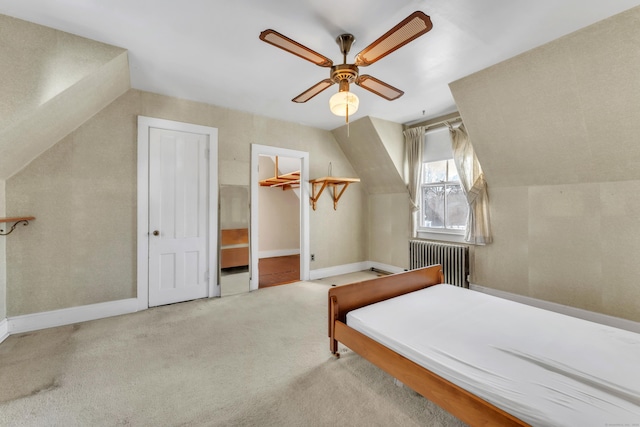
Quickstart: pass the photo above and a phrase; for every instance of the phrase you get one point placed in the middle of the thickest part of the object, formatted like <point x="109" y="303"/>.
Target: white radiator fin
<point x="454" y="259"/>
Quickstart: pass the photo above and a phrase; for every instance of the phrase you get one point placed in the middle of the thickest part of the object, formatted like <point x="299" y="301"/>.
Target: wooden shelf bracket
<point x="17" y="220"/>
<point x="285" y="181"/>
<point x="338" y="186"/>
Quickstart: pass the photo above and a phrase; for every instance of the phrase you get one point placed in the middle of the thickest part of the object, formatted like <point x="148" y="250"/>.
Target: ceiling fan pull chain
<point x="347" y="119"/>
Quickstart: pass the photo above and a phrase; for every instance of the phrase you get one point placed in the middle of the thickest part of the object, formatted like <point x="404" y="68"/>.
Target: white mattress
<point x="545" y="368"/>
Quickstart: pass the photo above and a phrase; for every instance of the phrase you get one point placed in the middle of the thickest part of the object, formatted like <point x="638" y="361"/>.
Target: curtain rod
<point x="436" y="124"/>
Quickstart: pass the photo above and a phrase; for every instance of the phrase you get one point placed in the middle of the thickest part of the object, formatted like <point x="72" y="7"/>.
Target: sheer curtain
<point x="474" y="186"/>
<point x="414" y="140"/>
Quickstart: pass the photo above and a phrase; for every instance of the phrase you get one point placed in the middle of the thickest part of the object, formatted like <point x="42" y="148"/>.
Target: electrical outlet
<point x="313" y="257"/>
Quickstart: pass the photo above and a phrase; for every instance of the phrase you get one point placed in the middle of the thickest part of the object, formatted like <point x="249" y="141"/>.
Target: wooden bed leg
<point x="333" y="345"/>
<point x="333" y="316"/>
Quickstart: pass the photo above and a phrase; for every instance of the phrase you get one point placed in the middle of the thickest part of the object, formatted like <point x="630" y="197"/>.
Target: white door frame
<point x="264" y="150"/>
<point x="144" y="123"/>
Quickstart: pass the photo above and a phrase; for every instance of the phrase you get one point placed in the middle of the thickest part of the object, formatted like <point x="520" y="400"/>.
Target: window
<point x="444" y="206"/>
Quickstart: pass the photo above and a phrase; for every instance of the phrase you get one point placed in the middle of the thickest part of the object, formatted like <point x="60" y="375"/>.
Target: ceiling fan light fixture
<point x="344" y="103"/>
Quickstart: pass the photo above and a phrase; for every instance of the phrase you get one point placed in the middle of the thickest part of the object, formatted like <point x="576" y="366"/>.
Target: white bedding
<point x="545" y="368"/>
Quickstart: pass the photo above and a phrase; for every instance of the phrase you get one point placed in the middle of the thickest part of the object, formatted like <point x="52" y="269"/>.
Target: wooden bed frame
<point x="466" y="406"/>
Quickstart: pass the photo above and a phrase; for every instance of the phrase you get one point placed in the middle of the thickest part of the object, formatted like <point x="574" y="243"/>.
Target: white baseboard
<point x="278" y="252"/>
<point x="68" y="316"/>
<point x="321" y="273"/>
<point x="4" y="330"/>
<point x="385" y="267"/>
<point x="591" y="316"/>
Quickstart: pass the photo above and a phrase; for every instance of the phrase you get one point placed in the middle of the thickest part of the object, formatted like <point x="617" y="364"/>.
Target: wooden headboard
<point x="343" y="299"/>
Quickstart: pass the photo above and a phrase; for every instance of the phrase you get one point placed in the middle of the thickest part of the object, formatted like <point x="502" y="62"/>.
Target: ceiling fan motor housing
<point x="344" y="74"/>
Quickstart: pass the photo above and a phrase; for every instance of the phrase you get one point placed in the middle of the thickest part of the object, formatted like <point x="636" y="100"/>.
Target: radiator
<point x="453" y="258"/>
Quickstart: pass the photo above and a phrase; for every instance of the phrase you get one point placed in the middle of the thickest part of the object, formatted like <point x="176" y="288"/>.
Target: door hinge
<point x="206" y="276"/>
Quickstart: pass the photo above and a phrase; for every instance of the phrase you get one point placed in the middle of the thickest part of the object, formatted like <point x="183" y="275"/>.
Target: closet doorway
<point x="279" y="232"/>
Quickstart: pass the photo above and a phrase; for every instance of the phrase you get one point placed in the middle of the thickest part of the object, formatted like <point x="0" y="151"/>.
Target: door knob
<point x="156" y="233"/>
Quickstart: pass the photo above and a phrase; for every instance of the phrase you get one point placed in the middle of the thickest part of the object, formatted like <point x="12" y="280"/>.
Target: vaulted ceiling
<point x="210" y="52"/>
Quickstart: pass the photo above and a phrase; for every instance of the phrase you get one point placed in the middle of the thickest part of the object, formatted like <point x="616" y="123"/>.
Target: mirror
<point x="234" y="239"/>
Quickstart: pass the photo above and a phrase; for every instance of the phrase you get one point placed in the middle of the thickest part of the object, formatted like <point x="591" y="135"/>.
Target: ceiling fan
<point x="344" y="102"/>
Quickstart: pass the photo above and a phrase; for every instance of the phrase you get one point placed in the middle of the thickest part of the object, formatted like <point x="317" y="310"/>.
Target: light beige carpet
<point x="254" y="359"/>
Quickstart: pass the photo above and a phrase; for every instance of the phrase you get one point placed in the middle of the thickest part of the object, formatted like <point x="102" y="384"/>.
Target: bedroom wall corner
<point x="389" y="229"/>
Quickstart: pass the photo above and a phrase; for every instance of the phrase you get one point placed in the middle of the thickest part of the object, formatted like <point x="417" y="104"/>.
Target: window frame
<point x="441" y="234"/>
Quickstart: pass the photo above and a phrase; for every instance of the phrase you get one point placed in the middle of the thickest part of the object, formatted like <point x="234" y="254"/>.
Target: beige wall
<point x="3" y="258"/>
<point x="51" y="83"/>
<point x="393" y="140"/>
<point x="556" y="131"/>
<point x="81" y="248"/>
<point x="372" y="147"/>
<point x="339" y="236"/>
<point x="234" y="206"/>
<point x="279" y="216"/>
<point x="375" y="148"/>
<point x="389" y="229"/>
<point x="39" y="63"/>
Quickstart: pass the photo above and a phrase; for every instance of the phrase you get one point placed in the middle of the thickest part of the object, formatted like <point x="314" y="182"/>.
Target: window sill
<point x="441" y="237"/>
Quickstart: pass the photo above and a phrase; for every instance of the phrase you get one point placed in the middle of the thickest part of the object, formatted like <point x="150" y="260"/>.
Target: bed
<point x="486" y="360"/>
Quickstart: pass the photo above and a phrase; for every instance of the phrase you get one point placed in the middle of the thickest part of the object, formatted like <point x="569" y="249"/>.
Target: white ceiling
<point x="209" y="51"/>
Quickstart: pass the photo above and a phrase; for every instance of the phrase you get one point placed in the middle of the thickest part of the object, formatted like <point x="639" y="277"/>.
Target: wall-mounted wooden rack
<point x="333" y="182"/>
<point x="16" y="220"/>
<point x="285" y="181"/>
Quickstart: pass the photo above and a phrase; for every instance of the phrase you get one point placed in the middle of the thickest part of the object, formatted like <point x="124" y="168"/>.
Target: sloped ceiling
<point x="51" y="83"/>
<point x="566" y="112"/>
<point x="374" y="149"/>
<point x="209" y="51"/>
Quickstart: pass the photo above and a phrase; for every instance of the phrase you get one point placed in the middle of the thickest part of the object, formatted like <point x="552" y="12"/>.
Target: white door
<point x="178" y="216"/>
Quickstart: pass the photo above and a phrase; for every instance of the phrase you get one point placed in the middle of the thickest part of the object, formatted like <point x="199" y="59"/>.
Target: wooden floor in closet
<point x="278" y="270"/>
